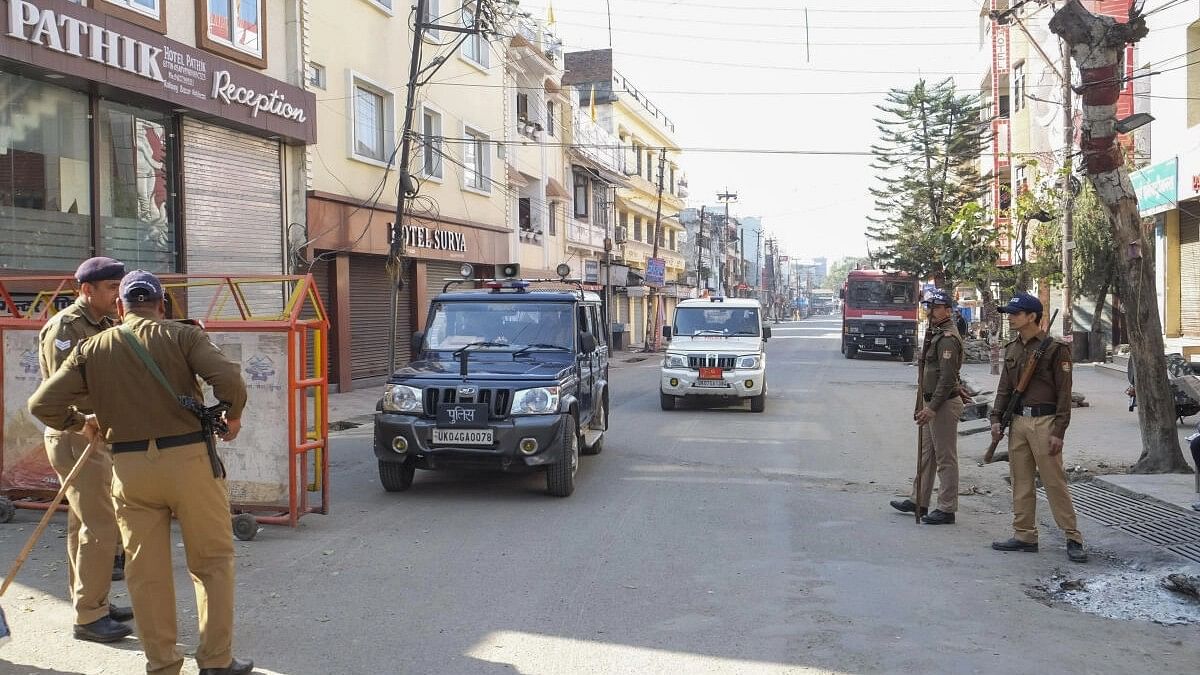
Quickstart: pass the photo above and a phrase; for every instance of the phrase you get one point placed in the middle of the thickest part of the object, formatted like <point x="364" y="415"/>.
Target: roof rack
<point x="513" y="283"/>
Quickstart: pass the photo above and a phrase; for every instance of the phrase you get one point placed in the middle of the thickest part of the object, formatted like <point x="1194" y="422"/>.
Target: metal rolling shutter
<point x="1189" y="269"/>
<point x="233" y="212"/>
<point x="370" y="293"/>
<point x="436" y="274"/>
<point x="638" y="323"/>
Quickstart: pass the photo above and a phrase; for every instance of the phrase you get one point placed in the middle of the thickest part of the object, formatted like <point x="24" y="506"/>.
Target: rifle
<point x="1018" y="391"/>
<point x="212" y="424"/>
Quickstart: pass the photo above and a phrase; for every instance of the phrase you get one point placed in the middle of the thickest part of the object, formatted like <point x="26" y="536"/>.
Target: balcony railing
<point x="594" y="142"/>
<point x="585" y="234"/>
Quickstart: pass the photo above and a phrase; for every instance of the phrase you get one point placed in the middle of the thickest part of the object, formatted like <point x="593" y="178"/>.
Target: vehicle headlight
<point x="675" y="361"/>
<point x="910" y="331"/>
<point x="853" y="328"/>
<point x="537" y="401"/>
<point x="401" y="398"/>
<point x="751" y="361"/>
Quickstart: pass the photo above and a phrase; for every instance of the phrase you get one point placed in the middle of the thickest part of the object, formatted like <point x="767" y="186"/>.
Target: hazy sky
<point x="779" y="96"/>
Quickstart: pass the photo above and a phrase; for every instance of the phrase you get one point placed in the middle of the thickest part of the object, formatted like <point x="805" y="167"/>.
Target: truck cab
<point x="879" y="313"/>
<point x="717" y="350"/>
<point x="507" y="378"/>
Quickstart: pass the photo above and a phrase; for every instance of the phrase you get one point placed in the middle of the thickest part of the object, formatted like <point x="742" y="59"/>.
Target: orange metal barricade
<point x="270" y="310"/>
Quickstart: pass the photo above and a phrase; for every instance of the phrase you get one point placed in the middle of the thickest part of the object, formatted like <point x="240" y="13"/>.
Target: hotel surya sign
<point x="78" y="41"/>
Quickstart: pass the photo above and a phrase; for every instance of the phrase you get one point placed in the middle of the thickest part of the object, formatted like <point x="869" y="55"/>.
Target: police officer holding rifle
<point x="1034" y="400"/>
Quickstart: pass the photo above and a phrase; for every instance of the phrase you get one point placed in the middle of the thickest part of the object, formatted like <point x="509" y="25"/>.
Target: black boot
<point x="938" y="517"/>
<point x="1015" y="544"/>
<point x="238" y="667"/>
<point x="907" y="506"/>
<point x="118" y="567"/>
<point x="1075" y="552"/>
<point x="103" y="629"/>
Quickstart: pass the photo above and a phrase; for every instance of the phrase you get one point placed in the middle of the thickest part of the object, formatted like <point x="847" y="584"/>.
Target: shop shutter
<point x="638" y="324"/>
<point x="233" y="213"/>
<point x="436" y="274"/>
<point x="370" y="293"/>
<point x="1189" y="269"/>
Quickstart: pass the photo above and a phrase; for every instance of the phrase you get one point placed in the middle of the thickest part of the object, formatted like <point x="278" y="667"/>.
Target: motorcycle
<point x="1177" y="367"/>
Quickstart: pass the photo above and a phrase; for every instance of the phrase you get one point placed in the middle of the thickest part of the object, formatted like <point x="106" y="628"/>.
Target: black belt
<point x="1037" y="410"/>
<point x="163" y="443"/>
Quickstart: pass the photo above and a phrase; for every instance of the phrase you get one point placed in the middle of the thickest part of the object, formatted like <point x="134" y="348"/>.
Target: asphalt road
<point x="704" y="540"/>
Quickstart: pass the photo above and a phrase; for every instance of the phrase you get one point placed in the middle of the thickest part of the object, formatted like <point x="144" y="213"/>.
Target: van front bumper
<point x="742" y="383"/>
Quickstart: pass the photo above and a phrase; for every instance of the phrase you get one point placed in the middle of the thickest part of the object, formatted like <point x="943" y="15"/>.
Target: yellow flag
<point x="593" y="105"/>
<point x="550" y="14"/>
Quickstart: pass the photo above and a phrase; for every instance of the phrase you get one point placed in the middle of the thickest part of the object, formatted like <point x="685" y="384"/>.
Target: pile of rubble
<point x="976" y="351"/>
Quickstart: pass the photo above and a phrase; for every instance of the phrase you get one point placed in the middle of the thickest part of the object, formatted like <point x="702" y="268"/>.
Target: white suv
<point x="717" y="348"/>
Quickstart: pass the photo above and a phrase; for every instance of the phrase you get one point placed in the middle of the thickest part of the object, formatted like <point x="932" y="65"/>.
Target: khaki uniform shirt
<point x="62" y="334"/>
<point x="1051" y="383"/>
<point x="941" y="363"/>
<point x="130" y="404"/>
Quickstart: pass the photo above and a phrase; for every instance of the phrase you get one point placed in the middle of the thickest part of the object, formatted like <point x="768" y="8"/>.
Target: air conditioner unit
<point x="620" y="232"/>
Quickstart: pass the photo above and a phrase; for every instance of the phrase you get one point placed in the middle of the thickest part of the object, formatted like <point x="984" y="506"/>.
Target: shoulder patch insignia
<point x="62" y="345"/>
<point x="1066" y="366"/>
<point x="947" y="354"/>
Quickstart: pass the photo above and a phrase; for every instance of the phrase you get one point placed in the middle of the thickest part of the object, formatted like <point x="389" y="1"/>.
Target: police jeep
<point x="512" y="377"/>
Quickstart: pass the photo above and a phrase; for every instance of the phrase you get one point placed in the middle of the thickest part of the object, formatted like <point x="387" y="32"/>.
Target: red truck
<point x="879" y="313"/>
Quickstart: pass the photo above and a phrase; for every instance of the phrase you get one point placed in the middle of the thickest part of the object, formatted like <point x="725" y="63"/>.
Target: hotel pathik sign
<point x="63" y="37"/>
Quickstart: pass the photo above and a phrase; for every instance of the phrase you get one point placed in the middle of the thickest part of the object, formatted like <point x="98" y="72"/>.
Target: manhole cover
<point x="1168" y="528"/>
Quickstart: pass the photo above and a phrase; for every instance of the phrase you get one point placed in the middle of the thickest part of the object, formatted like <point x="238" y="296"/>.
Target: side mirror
<point x="587" y="343"/>
<point x="418" y="339"/>
<point x="766" y="332"/>
<point x="667" y="332"/>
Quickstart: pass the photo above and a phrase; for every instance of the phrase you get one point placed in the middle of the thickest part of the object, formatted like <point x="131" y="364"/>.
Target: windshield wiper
<point x="743" y="332"/>
<point x="540" y="345"/>
<point x="462" y="352"/>
<point x="706" y="331"/>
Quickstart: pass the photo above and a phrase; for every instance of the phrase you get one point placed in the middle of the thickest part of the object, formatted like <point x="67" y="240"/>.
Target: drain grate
<point x="1162" y="526"/>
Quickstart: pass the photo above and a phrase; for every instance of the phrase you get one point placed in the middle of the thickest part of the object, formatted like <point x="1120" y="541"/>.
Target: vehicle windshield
<point x="505" y="325"/>
<point x="717" y="321"/>
<point x="878" y="293"/>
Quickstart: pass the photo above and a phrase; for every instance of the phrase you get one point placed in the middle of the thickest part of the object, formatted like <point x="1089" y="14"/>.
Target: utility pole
<point x="652" y="337"/>
<point x="758" y="263"/>
<point x="407" y="187"/>
<point x="700" y="254"/>
<point x="726" y="197"/>
<point x="1068" y="208"/>
<point x="608" y="245"/>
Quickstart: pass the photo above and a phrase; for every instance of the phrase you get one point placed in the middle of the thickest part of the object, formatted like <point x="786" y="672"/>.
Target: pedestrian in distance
<point x="163" y="464"/>
<point x="960" y="323"/>
<point x="92" y="533"/>
<point x="1038" y="429"/>
<point x="940" y="362"/>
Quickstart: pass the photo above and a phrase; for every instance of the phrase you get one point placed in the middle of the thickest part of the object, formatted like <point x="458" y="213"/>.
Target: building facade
<point x="172" y="138"/>
<point x="466" y="195"/>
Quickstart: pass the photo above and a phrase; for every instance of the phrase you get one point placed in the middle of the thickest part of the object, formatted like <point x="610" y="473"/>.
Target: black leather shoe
<point x="907" y="506"/>
<point x="238" y="667"/>
<point x="1015" y="544"/>
<point x="1075" y="552"/>
<point x="118" y="613"/>
<point x="938" y="517"/>
<point x="118" y="567"/>
<point x="103" y="629"/>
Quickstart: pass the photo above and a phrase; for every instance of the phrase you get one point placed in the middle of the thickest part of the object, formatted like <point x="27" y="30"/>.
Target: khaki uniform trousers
<point x="939" y="453"/>
<point x="149" y="487"/>
<point x="92" y="534"/>
<point x="1029" y="453"/>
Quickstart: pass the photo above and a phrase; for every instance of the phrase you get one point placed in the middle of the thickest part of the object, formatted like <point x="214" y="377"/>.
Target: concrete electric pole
<point x="726" y="197"/>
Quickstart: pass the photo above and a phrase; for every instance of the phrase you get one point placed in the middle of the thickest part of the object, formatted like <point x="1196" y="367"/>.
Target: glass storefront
<point x="50" y="219"/>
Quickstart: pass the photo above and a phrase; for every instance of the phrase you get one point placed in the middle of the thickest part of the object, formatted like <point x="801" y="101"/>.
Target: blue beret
<point x="140" y="286"/>
<point x="99" y="269"/>
<point x="937" y="296"/>
<point x="1022" y="302"/>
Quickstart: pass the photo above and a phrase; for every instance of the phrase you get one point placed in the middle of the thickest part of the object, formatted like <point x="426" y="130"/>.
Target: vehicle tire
<point x="396" y="476"/>
<point x="245" y="527"/>
<point x="851" y="352"/>
<point x="598" y="447"/>
<point x="666" y="401"/>
<point x="7" y="510"/>
<point x="906" y="354"/>
<point x="560" y="476"/>
<point x="758" y="403"/>
<point x="843" y="345"/>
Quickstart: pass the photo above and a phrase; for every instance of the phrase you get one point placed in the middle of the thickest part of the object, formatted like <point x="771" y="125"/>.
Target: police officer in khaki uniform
<point x="941" y="361"/>
<point x="92" y="534"/>
<point x="161" y="466"/>
<point x="1035" y="437"/>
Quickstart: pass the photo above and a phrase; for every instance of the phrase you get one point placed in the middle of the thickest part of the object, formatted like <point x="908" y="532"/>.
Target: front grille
<point x="724" y="361"/>
<point x="874" y="328"/>
<point x="499" y="400"/>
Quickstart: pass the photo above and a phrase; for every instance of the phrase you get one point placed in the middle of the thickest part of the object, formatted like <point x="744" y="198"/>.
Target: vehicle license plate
<point x="462" y="436"/>
<point x="711" y="374"/>
<point x="881" y="341"/>
<point x="712" y="384"/>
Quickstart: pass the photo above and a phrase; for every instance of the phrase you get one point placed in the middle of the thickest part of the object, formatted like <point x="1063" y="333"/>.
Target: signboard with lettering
<point x="432" y="238"/>
<point x="656" y="272"/>
<point x="80" y="42"/>
<point x="1157" y="187"/>
<point x="591" y="271"/>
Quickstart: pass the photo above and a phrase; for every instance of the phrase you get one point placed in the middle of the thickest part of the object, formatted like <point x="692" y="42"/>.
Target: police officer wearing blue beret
<point x="1035" y="438"/>
<point x="92" y="534"/>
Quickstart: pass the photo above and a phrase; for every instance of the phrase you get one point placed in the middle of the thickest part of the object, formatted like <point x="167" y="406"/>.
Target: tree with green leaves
<point x="1094" y="268"/>
<point x="839" y="270"/>
<point x="926" y="159"/>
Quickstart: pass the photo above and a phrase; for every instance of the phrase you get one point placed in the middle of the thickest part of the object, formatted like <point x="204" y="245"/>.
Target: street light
<point x="1134" y="121"/>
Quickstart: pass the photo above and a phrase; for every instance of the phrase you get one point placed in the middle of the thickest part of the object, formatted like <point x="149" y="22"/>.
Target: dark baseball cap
<point x="140" y="286"/>
<point x="1021" y="302"/>
<point x="936" y="296"/>
<point x="99" y="269"/>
